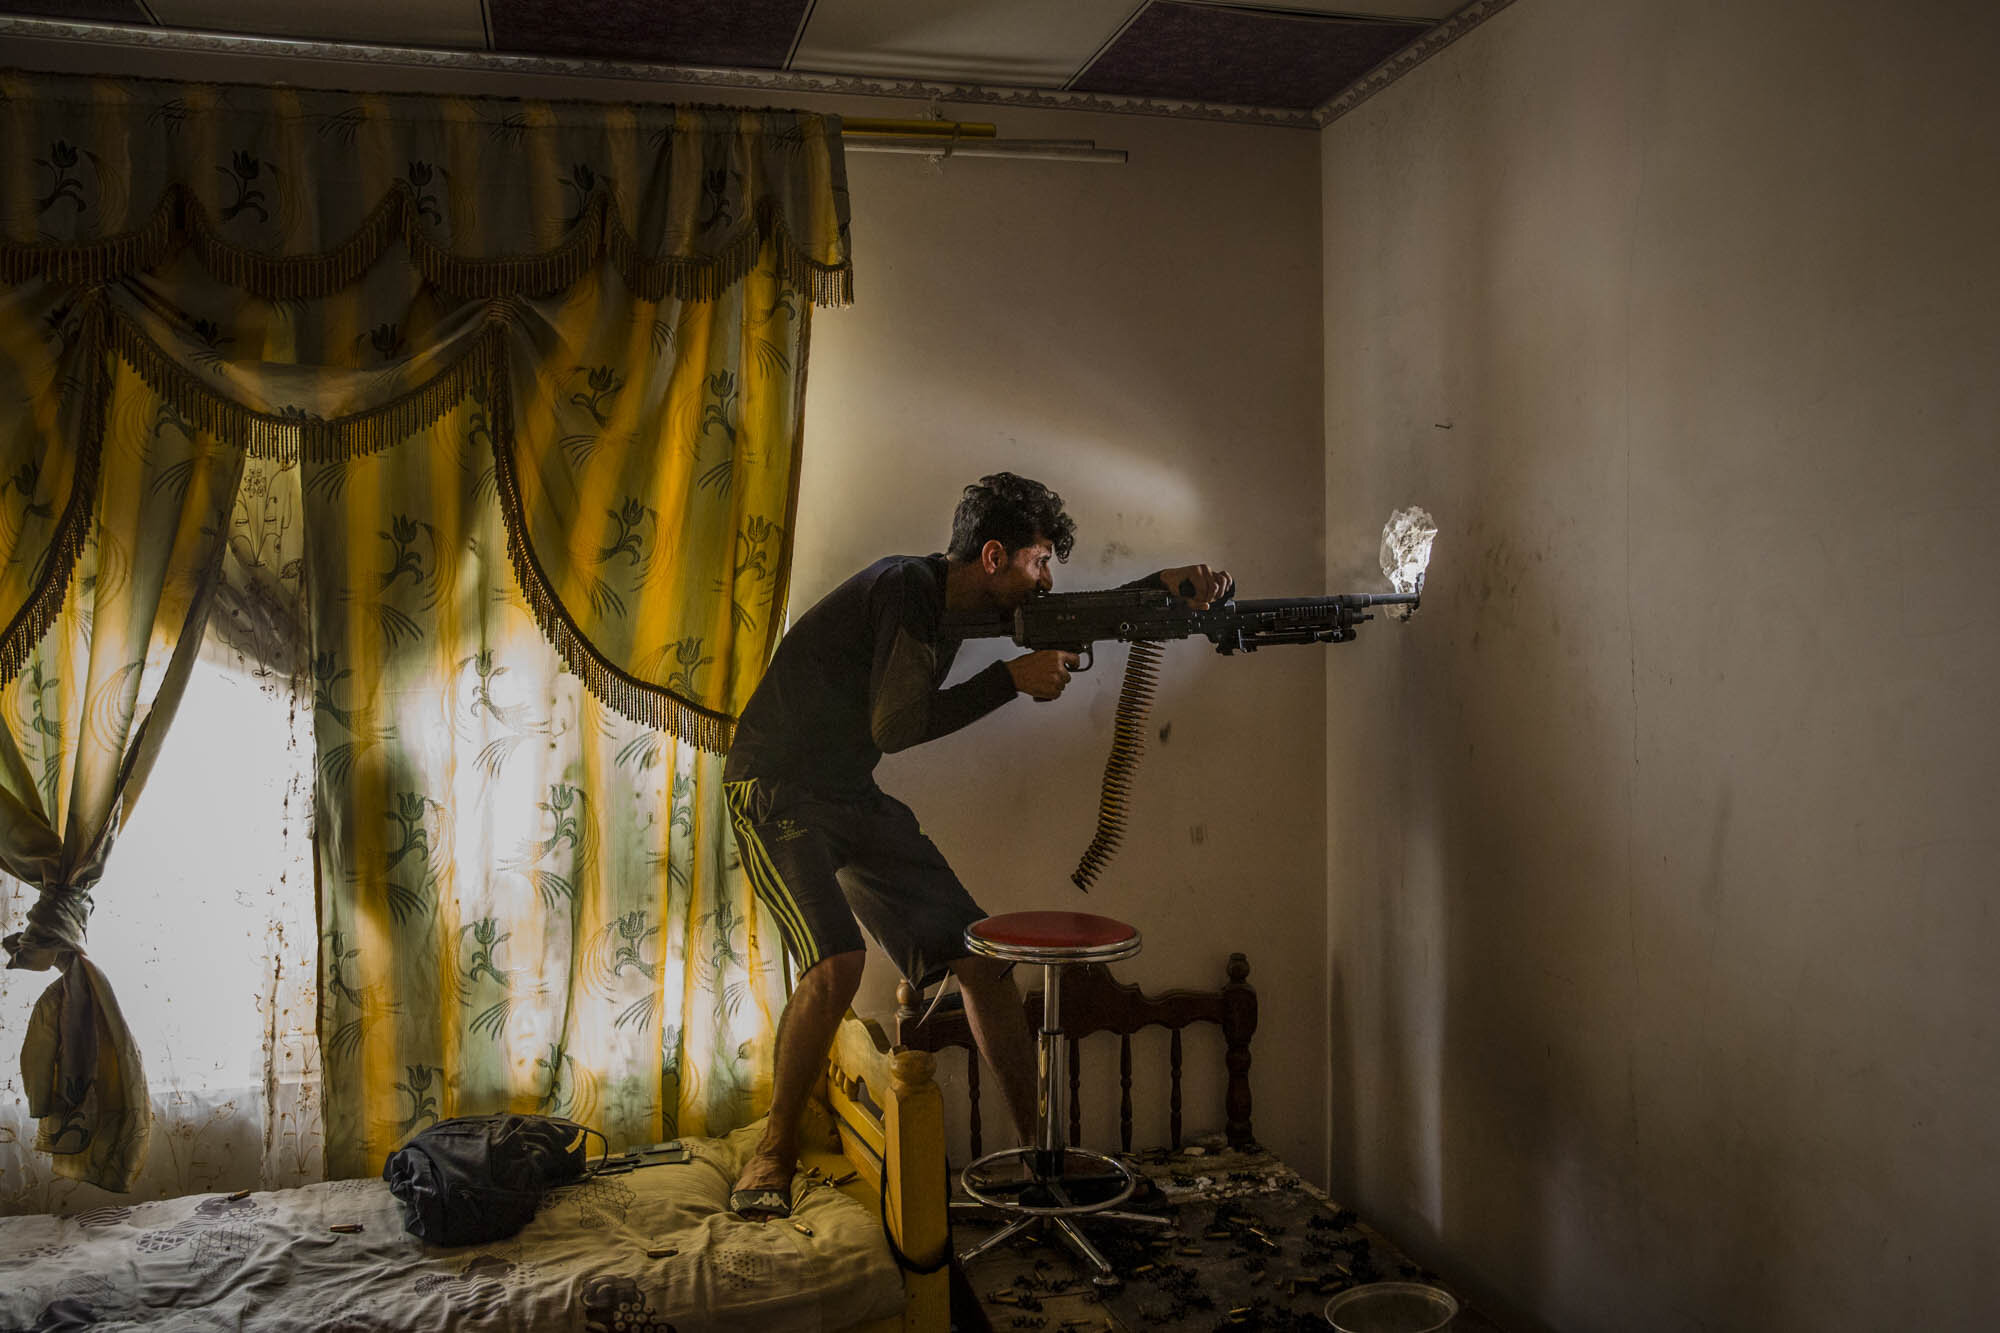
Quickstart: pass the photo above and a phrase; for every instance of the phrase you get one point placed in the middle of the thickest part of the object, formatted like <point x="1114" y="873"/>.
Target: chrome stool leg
<point x="1105" y="1275"/>
<point x="1147" y="1219"/>
<point x="1049" y="1145"/>
<point x="1006" y="1233"/>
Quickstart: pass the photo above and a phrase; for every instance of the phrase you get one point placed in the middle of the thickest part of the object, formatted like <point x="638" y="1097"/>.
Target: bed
<point x="646" y="1250"/>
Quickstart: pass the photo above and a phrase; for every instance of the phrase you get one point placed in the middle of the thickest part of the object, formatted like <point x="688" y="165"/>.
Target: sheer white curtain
<point x="214" y="937"/>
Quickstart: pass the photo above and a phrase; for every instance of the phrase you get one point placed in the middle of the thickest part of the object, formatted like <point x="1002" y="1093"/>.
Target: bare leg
<point x="805" y="1034"/>
<point x="993" y="1007"/>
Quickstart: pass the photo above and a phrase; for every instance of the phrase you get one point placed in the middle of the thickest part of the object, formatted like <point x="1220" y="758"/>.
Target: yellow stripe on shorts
<point x="764" y="877"/>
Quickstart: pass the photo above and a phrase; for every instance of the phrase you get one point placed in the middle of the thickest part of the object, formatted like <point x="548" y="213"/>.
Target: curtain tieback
<point x="54" y="930"/>
<point x="82" y="1075"/>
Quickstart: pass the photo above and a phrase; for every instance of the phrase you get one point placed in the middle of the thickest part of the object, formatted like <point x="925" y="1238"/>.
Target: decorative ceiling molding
<point x="1416" y="53"/>
<point x="1436" y="39"/>
<point x="789" y="81"/>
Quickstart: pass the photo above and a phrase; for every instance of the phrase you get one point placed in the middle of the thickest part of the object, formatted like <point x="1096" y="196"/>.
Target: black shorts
<point x="820" y="865"/>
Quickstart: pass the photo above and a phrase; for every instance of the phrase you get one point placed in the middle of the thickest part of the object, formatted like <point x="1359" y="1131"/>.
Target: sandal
<point x="760" y="1205"/>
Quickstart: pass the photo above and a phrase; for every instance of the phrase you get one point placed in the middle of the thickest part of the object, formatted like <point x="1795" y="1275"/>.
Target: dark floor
<point x="1254" y="1248"/>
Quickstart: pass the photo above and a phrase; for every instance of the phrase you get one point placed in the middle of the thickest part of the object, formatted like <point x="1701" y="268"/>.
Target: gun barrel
<point x="1353" y="601"/>
<point x="1076" y="620"/>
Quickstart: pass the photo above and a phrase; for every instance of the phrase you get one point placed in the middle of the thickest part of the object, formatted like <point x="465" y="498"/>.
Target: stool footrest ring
<point x="983" y="1190"/>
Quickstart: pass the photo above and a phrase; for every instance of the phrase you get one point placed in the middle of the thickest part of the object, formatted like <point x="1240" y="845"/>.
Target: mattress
<point x="647" y="1250"/>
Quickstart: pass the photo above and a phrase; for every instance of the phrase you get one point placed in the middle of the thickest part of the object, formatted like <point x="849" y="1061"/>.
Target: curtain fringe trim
<point x="646" y="704"/>
<point x="315" y="439"/>
<point x="181" y="221"/>
<point x="33" y="620"/>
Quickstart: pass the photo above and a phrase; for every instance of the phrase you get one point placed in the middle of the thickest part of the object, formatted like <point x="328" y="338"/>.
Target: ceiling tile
<point x="735" y="34"/>
<point x="390" y="22"/>
<point x="1036" y="43"/>
<point x="85" y="11"/>
<point x="1217" y="53"/>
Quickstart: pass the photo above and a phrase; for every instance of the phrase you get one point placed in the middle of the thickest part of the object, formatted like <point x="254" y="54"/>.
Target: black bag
<point x="480" y="1178"/>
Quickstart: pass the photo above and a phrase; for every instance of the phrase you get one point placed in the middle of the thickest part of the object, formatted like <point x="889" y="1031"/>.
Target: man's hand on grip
<point x="1042" y="674"/>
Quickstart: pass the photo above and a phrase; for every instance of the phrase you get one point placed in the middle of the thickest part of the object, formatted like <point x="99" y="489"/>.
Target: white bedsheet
<point x="272" y="1261"/>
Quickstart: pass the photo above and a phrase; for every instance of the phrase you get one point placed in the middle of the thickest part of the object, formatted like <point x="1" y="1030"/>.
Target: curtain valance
<point x="183" y="228"/>
<point x="291" y="195"/>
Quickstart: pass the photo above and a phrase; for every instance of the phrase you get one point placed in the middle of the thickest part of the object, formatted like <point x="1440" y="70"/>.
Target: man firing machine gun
<point x="862" y="673"/>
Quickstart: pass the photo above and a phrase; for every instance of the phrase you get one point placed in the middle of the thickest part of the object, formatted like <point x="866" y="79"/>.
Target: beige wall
<point x="1660" y="908"/>
<point x="1144" y="338"/>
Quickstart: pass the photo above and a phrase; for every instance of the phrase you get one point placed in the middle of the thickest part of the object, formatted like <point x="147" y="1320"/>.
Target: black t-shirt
<point x="857" y="676"/>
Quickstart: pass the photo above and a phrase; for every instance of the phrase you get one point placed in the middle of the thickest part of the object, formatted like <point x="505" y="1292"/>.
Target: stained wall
<point x="1660" y="859"/>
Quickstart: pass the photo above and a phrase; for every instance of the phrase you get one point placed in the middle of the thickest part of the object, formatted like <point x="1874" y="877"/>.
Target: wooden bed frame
<point x="1094" y="1001"/>
<point x="879" y="1111"/>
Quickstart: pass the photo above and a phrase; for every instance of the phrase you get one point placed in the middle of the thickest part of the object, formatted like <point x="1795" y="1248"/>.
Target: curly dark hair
<point x="1012" y="511"/>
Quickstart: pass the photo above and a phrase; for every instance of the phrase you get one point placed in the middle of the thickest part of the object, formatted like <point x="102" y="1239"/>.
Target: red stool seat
<point x="1055" y="937"/>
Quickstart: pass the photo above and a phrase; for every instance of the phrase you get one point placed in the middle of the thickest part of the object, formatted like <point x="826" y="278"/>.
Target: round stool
<point x="1048" y="1194"/>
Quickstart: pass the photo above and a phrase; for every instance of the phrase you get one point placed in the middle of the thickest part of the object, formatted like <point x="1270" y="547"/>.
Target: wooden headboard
<point x="1094" y="1001"/>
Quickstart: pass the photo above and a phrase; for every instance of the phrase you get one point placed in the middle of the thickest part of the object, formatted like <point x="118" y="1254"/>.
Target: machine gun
<point x="1075" y="621"/>
<point x="1146" y="618"/>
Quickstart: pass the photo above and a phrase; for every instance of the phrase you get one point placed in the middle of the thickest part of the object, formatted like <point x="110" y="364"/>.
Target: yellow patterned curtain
<point x="541" y="368"/>
<point x="130" y="515"/>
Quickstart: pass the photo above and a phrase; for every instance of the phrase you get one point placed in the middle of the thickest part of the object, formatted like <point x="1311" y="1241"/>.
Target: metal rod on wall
<point x="961" y="138"/>
<point x="875" y="128"/>
<point x="930" y="145"/>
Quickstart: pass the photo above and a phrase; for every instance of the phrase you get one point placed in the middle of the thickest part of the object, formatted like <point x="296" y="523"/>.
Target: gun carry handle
<point x="1227" y="591"/>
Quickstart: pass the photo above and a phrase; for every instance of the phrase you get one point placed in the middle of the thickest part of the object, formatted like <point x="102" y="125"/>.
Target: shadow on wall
<point x="1578" y="1099"/>
<point x="1464" y="987"/>
<point x="1552" y="1080"/>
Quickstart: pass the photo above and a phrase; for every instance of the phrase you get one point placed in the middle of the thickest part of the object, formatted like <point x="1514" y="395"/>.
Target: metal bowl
<point x="1391" y="1307"/>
